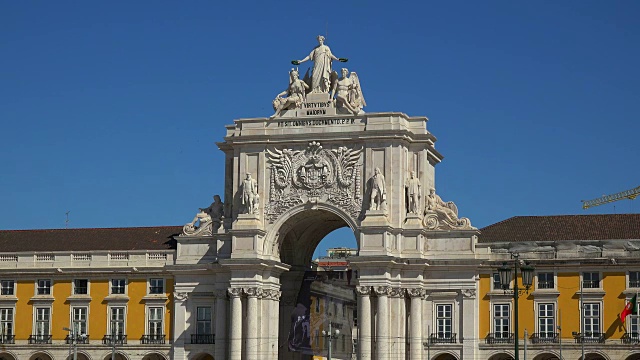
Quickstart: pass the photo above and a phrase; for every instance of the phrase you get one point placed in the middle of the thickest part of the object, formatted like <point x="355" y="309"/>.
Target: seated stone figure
<point x="442" y="215"/>
<point x="295" y="94"/>
<point x="206" y="219"/>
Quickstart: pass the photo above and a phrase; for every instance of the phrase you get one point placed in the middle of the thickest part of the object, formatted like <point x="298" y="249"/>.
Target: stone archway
<point x="501" y="356"/>
<point x="635" y="356"/>
<point x="154" y="356"/>
<point x="7" y="356"/>
<point x="445" y="356"/>
<point x="40" y="356"/>
<point x="546" y="356"/>
<point x="117" y="356"/>
<point x="80" y="356"/>
<point x="593" y="356"/>
<point x="202" y="356"/>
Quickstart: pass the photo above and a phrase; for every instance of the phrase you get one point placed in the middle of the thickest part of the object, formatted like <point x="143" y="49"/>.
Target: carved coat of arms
<point x="312" y="175"/>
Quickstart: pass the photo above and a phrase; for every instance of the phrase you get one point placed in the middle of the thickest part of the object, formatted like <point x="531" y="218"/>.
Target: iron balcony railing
<point x="7" y="339"/>
<point x="591" y="284"/>
<point x="545" y="285"/>
<point x="630" y="338"/>
<point x="39" y="339"/>
<point x="634" y="283"/>
<point x="79" y="339"/>
<point x="114" y="339"/>
<point x="203" y="338"/>
<point x="442" y="338"/>
<point x="153" y="339"/>
<point x="589" y="337"/>
<point x="544" y="338"/>
<point x="499" y="338"/>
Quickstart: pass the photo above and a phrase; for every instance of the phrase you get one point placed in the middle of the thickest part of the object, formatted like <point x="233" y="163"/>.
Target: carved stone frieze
<point x="314" y="175"/>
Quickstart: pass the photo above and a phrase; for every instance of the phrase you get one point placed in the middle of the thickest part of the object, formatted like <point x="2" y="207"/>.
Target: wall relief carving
<point x="314" y="175"/>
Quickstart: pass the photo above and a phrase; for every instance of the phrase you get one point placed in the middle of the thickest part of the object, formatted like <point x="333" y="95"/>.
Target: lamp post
<point x="505" y="282"/>
<point x="73" y="334"/>
<point x="330" y="336"/>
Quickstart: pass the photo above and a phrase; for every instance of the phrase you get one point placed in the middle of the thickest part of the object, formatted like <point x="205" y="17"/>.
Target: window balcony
<point x="631" y="338"/>
<point x="634" y="283"/>
<point x="79" y="339"/>
<point x="153" y="339"/>
<point x="442" y="338"/>
<point x="499" y="338"/>
<point x="114" y="339"/>
<point x="589" y="337"/>
<point x="203" y="338"/>
<point x="591" y="284"/>
<point x="7" y="339"/>
<point x="39" y="339"/>
<point x="545" y="285"/>
<point x="545" y="338"/>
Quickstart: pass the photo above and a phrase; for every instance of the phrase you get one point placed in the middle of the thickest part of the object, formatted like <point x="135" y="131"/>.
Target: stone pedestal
<point x="413" y="221"/>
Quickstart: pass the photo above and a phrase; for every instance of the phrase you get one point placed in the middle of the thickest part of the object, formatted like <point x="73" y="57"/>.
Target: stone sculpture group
<point x="344" y="91"/>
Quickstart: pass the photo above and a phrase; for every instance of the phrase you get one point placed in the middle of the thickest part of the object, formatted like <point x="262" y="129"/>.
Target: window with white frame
<point x="118" y="286"/>
<point x="43" y="287"/>
<point x="155" y="321"/>
<point x="7" y="287"/>
<point x="591" y="280"/>
<point x="634" y="279"/>
<point x="444" y="321"/>
<point x="546" y="320"/>
<point x="495" y="281"/>
<point x="43" y="323"/>
<point x="79" y="320"/>
<point x="501" y="320"/>
<point x="80" y="286"/>
<point x="546" y="280"/>
<point x="156" y="286"/>
<point x="6" y="323"/>
<point x="203" y="326"/>
<point x="591" y="318"/>
<point x="633" y="329"/>
<point x="117" y="321"/>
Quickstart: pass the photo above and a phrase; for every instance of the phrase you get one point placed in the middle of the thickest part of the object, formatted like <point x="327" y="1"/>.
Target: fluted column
<point x="252" y="323"/>
<point x="221" y="324"/>
<point x="364" y="322"/>
<point x="416" y="323"/>
<point x="397" y="323"/>
<point x="382" y="323"/>
<point x="235" y="343"/>
<point x="274" y="323"/>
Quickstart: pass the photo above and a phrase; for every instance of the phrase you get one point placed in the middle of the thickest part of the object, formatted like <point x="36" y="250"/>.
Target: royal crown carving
<point x="313" y="175"/>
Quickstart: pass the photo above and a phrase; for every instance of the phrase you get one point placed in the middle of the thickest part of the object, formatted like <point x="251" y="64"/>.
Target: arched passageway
<point x="7" y="356"/>
<point x="546" y="356"/>
<point x="445" y="356"/>
<point x="154" y="356"/>
<point x="635" y="356"/>
<point x="202" y="356"/>
<point x="117" y="356"/>
<point x="80" y="356"/>
<point x="40" y="356"/>
<point x="593" y="356"/>
<point x="501" y="356"/>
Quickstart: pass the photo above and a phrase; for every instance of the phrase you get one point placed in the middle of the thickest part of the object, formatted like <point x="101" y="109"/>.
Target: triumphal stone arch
<point x="320" y="163"/>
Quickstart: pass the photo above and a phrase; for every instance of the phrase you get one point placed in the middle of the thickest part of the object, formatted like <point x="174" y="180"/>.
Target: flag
<point x="629" y="309"/>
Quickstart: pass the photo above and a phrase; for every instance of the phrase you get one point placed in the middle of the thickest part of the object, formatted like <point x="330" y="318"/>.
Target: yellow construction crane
<point x="629" y="194"/>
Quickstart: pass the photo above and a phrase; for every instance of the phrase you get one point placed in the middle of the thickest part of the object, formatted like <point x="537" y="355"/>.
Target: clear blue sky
<point x="111" y="110"/>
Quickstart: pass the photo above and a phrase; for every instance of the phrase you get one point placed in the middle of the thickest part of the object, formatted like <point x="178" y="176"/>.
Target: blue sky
<point x="111" y="110"/>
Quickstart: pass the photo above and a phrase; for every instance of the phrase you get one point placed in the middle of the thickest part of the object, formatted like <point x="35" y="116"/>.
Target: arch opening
<point x="317" y="293"/>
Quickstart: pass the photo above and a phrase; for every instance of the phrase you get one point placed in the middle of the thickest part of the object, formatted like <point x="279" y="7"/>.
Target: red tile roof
<point x="139" y="238"/>
<point x="563" y="227"/>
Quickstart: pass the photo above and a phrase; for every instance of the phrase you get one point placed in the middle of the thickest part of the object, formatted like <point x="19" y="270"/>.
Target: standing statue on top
<point x="414" y="193"/>
<point x="321" y="74"/>
<point x="349" y="94"/>
<point x="250" y="197"/>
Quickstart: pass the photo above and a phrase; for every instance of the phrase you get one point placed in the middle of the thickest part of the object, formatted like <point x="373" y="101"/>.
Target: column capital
<point x="468" y="293"/>
<point x="416" y="292"/>
<point x="253" y="292"/>
<point x="382" y="290"/>
<point x="271" y="294"/>
<point x="397" y="292"/>
<point x="363" y="290"/>
<point x="180" y="295"/>
<point x="234" y="292"/>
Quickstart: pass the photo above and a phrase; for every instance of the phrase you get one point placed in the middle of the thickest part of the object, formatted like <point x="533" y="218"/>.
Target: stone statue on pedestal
<point x="442" y="215"/>
<point x="295" y="94"/>
<point x="322" y="57"/>
<point x="378" y="192"/>
<point x="414" y="193"/>
<point x="250" y="197"/>
<point x="349" y="94"/>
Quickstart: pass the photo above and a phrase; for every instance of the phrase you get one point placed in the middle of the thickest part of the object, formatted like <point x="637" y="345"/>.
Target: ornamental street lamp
<point x="74" y="336"/>
<point x="330" y="336"/>
<point x="505" y="282"/>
